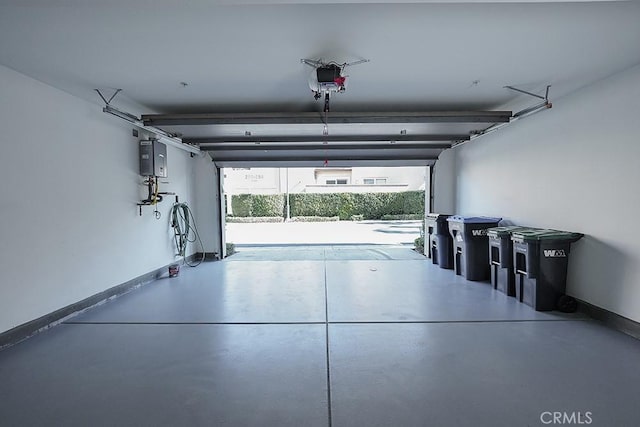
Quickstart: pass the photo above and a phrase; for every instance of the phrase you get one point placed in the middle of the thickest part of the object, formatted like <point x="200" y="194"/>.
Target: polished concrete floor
<point x="320" y="342"/>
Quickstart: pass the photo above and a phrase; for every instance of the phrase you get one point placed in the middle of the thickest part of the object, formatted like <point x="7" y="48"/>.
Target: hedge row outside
<point x="342" y="205"/>
<point x="257" y="205"/>
<point x="346" y="205"/>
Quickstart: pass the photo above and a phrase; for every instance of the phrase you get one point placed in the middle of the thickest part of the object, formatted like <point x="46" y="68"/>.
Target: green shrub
<point x="257" y="205"/>
<point x="231" y="249"/>
<point x="419" y="245"/>
<point x="304" y="204"/>
<point x="268" y="205"/>
<point x="241" y="204"/>
<point x="413" y="202"/>
<point x="345" y="206"/>
<point x="367" y="205"/>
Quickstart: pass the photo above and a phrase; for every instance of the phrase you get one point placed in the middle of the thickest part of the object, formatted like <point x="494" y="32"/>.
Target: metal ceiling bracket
<point x="110" y="99"/>
<point x="544" y="105"/>
<point x="163" y="136"/>
<point x="546" y="97"/>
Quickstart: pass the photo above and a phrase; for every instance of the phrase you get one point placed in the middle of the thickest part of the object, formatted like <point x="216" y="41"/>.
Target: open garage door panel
<point x="339" y="139"/>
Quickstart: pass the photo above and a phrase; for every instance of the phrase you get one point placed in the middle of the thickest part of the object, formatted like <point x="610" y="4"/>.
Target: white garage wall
<point x="444" y="183"/>
<point x="574" y="167"/>
<point x="207" y="205"/>
<point x="69" y="184"/>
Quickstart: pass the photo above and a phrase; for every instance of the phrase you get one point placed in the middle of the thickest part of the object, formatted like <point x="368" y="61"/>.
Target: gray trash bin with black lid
<point x="501" y="258"/>
<point x="440" y="242"/>
<point x="470" y="245"/>
<point x="540" y="259"/>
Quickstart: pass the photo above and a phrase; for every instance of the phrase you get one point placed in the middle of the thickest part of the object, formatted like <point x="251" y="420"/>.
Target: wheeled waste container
<point x="540" y="259"/>
<point x="470" y="245"/>
<point x="501" y="258"/>
<point x="428" y="231"/>
<point x="440" y="242"/>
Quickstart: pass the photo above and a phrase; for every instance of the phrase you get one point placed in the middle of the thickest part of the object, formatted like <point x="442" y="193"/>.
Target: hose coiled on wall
<point x="185" y="231"/>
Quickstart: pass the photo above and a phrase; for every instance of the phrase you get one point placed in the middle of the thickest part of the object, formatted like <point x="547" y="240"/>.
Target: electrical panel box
<point x="153" y="159"/>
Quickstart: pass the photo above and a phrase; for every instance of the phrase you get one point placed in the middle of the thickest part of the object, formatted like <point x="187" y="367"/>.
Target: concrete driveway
<point x="334" y="232"/>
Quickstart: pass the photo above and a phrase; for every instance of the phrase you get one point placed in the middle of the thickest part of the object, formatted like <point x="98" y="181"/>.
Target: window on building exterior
<point x="374" y="181"/>
<point x="338" y="181"/>
<point x="333" y="176"/>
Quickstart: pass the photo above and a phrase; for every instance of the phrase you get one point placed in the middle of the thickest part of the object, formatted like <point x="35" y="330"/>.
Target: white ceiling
<point x="245" y="57"/>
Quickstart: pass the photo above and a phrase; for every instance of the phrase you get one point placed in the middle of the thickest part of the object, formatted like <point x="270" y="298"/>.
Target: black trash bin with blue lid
<point x="501" y="258"/>
<point x="541" y="258"/>
<point x="440" y="243"/>
<point x="470" y="245"/>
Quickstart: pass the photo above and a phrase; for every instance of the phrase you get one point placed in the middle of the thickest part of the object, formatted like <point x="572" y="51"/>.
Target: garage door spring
<point x="185" y="231"/>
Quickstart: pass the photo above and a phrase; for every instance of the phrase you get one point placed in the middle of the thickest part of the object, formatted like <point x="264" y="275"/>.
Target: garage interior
<point x="524" y="110"/>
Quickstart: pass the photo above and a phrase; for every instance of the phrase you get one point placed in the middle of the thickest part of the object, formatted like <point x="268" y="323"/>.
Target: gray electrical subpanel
<point x="153" y="158"/>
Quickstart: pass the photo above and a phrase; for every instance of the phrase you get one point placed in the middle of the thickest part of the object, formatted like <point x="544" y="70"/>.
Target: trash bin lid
<point x="562" y="235"/>
<point x="474" y="219"/>
<point x="437" y="216"/>
<point x="530" y="234"/>
<point x="504" y="231"/>
<point x="537" y="234"/>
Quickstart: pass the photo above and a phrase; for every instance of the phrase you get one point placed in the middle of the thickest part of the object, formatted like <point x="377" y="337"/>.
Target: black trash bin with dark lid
<point x="540" y="259"/>
<point x="470" y="245"/>
<point x="440" y="243"/>
<point x="501" y="258"/>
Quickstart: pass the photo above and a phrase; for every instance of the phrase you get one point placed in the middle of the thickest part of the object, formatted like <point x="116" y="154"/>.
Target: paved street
<point x="335" y="232"/>
<point x="335" y="240"/>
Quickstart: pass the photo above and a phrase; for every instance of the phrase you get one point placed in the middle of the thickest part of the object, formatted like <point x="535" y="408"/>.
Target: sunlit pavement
<point x="334" y="232"/>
